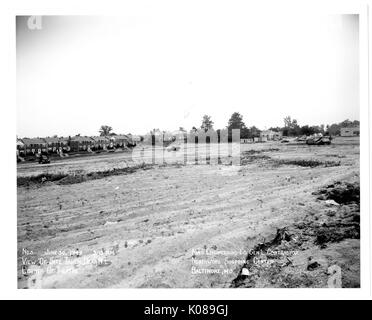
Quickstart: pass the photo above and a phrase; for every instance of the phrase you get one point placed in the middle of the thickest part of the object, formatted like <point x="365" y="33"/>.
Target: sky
<point x="135" y="73"/>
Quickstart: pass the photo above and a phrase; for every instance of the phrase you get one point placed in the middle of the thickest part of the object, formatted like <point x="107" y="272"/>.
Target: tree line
<point x="290" y="128"/>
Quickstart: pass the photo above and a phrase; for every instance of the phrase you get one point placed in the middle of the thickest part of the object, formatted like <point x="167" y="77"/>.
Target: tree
<point x="335" y="128"/>
<point x="105" y="130"/>
<point x="287" y="122"/>
<point x="236" y="122"/>
<point x="207" y="123"/>
<point x="291" y="127"/>
<point x="193" y="130"/>
<point x="254" y="132"/>
<point x="275" y="129"/>
<point x="306" y="130"/>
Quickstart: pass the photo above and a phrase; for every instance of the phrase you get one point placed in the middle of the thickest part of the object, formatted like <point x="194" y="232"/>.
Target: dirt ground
<point x="268" y="222"/>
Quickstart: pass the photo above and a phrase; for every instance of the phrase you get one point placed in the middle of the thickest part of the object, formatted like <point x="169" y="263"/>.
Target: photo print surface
<point x="185" y="151"/>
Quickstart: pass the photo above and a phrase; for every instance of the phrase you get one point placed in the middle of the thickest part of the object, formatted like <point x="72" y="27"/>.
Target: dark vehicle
<point x="43" y="159"/>
<point x="131" y="145"/>
<point x="325" y="140"/>
<point x="173" y="148"/>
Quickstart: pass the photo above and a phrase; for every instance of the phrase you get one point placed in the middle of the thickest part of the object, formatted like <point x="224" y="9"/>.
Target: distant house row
<point x="29" y="146"/>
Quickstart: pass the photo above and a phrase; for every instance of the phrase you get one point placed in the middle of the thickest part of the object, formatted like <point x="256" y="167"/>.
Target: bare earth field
<point x="280" y="219"/>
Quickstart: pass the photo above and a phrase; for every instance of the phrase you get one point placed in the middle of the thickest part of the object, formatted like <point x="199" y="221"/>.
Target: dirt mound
<point x="266" y="259"/>
<point x="336" y="233"/>
<point x="249" y="152"/>
<point x="346" y="220"/>
<point x="71" y="179"/>
<point x="66" y="179"/>
<point x="252" y="156"/>
<point x="309" y="163"/>
<point x="341" y="192"/>
<point x="39" y="179"/>
<point x="272" y="261"/>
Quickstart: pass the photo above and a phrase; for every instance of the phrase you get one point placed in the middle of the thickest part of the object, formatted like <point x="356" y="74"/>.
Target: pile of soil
<point x="270" y="262"/>
<point x="309" y="163"/>
<point x="39" y="179"/>
<point x="346" y="220"/>
<point x="66" y="179"/>
<point x="341" y="192"/>
<point x="249" y="152"/>
<point x="252" y="156"/>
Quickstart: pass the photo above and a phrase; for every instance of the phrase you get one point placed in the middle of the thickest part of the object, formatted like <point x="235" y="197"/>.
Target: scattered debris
<point x="281" y="235"/>
<point x="316" y="228"/>
<point x="340" y="192"/>
<point x="251" y="157"/>
<point x="245" y="272"/>
<point x="109" y="223"/>
<point x="173" y="148"/>
<point x="331" y="203"/>
<point x="312" y="266"/>
<point x="64" y="178"/>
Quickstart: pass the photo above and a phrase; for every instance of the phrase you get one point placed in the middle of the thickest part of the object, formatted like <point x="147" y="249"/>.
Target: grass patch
<point x="40" y="178"/>
<point x="308" y="163"/>
<point x="247" y="159"/>
<point x="65" y="179"/>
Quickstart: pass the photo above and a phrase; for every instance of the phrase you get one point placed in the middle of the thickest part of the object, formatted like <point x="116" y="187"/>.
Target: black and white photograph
<point x="211" y="147"/>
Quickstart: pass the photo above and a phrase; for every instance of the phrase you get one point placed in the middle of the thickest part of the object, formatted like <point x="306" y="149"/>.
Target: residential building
<point x="350" y="132"/>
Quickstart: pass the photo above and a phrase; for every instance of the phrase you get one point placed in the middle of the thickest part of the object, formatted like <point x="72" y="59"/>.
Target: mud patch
<point x="308" y="163"/>
<point x="255" y="156"/>
<point x="66" y="179"/>
<point x="39" y="179"/>
<point x="251" y="158"/>
<point x="250" y="152"/>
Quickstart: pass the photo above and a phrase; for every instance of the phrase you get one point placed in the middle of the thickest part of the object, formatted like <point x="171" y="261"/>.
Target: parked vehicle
<point x="324" y="140"/>
<point x="43" y="159"/>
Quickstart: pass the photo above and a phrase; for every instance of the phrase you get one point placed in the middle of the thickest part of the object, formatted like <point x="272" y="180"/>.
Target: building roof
<point x="29" y="141"/>
<point x="81" y="138"/>
<point x="20" y="143"/>
<point x="269" y="132"/>
<point x="156" y="132"/>
<point x="52" y="140"/>
<point x="120" y="137"/>
<point x="100" y="139"/>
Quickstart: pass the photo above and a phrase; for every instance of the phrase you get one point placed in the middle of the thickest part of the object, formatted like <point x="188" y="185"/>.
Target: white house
<point x="270" y="135"/>
<point x="350" y="132"/>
